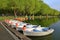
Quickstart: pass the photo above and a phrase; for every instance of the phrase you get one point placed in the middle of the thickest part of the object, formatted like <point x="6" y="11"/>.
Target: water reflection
<point x="43" y="22"/>
<point x="48" y="37"/>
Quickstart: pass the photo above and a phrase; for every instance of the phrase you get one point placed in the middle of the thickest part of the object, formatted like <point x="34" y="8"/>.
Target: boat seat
<point x="45" y="29"/>
<point x="37" y="30"/>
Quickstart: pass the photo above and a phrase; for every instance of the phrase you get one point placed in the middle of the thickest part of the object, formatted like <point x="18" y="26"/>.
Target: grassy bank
<point x="12" y="17"/>
<point x="6" y="17"/>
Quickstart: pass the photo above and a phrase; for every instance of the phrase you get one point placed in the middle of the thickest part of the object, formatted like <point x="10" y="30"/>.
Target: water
<point x="50" y="22"/>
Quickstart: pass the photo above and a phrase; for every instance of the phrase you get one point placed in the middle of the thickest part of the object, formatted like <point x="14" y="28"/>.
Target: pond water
<point x="48" y="22"/>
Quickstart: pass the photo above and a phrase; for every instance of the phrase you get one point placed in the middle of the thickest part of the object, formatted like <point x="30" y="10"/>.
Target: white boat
<point x="13" y="23"/>
<point x="31" y="32"/>
<point x="20" y="27"/>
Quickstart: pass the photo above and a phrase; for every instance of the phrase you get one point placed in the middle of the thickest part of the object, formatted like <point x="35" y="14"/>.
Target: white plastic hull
<point x="38" y="33"/>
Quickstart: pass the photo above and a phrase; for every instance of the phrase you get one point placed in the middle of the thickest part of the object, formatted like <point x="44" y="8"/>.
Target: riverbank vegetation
<point x="26" y="7"/>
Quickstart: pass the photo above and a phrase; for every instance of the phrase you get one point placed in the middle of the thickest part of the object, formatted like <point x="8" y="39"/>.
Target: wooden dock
<point x="4" y="35"/>
<point x="15" y="32"/>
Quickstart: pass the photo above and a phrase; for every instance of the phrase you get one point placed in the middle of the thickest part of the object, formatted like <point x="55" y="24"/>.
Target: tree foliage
<point x="27" y="7"/>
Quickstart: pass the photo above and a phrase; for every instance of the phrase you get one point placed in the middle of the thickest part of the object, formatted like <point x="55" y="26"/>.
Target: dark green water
<point x="49" y="22"/>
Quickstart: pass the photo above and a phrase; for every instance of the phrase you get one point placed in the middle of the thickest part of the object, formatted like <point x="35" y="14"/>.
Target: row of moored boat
<point x="29" y="29"/>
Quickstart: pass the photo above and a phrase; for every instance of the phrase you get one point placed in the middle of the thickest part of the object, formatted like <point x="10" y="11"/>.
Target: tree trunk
<point x="47" y="16"/>
<point x="15" y="14"/>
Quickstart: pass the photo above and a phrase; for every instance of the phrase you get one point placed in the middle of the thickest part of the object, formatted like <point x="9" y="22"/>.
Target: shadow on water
<point x="48" y="37"/>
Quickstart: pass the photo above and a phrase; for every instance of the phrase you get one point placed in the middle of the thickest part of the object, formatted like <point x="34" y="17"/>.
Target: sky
<point x="55" y="4"/>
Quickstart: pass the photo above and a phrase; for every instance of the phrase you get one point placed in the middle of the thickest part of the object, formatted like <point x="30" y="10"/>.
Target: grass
<point x="6" y="17"/>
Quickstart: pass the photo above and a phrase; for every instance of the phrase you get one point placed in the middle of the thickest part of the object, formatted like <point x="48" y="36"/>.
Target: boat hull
<point x="27" y="33"/>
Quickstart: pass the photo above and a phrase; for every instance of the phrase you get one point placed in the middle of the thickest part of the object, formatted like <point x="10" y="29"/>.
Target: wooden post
<point x="33" y="17"/>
